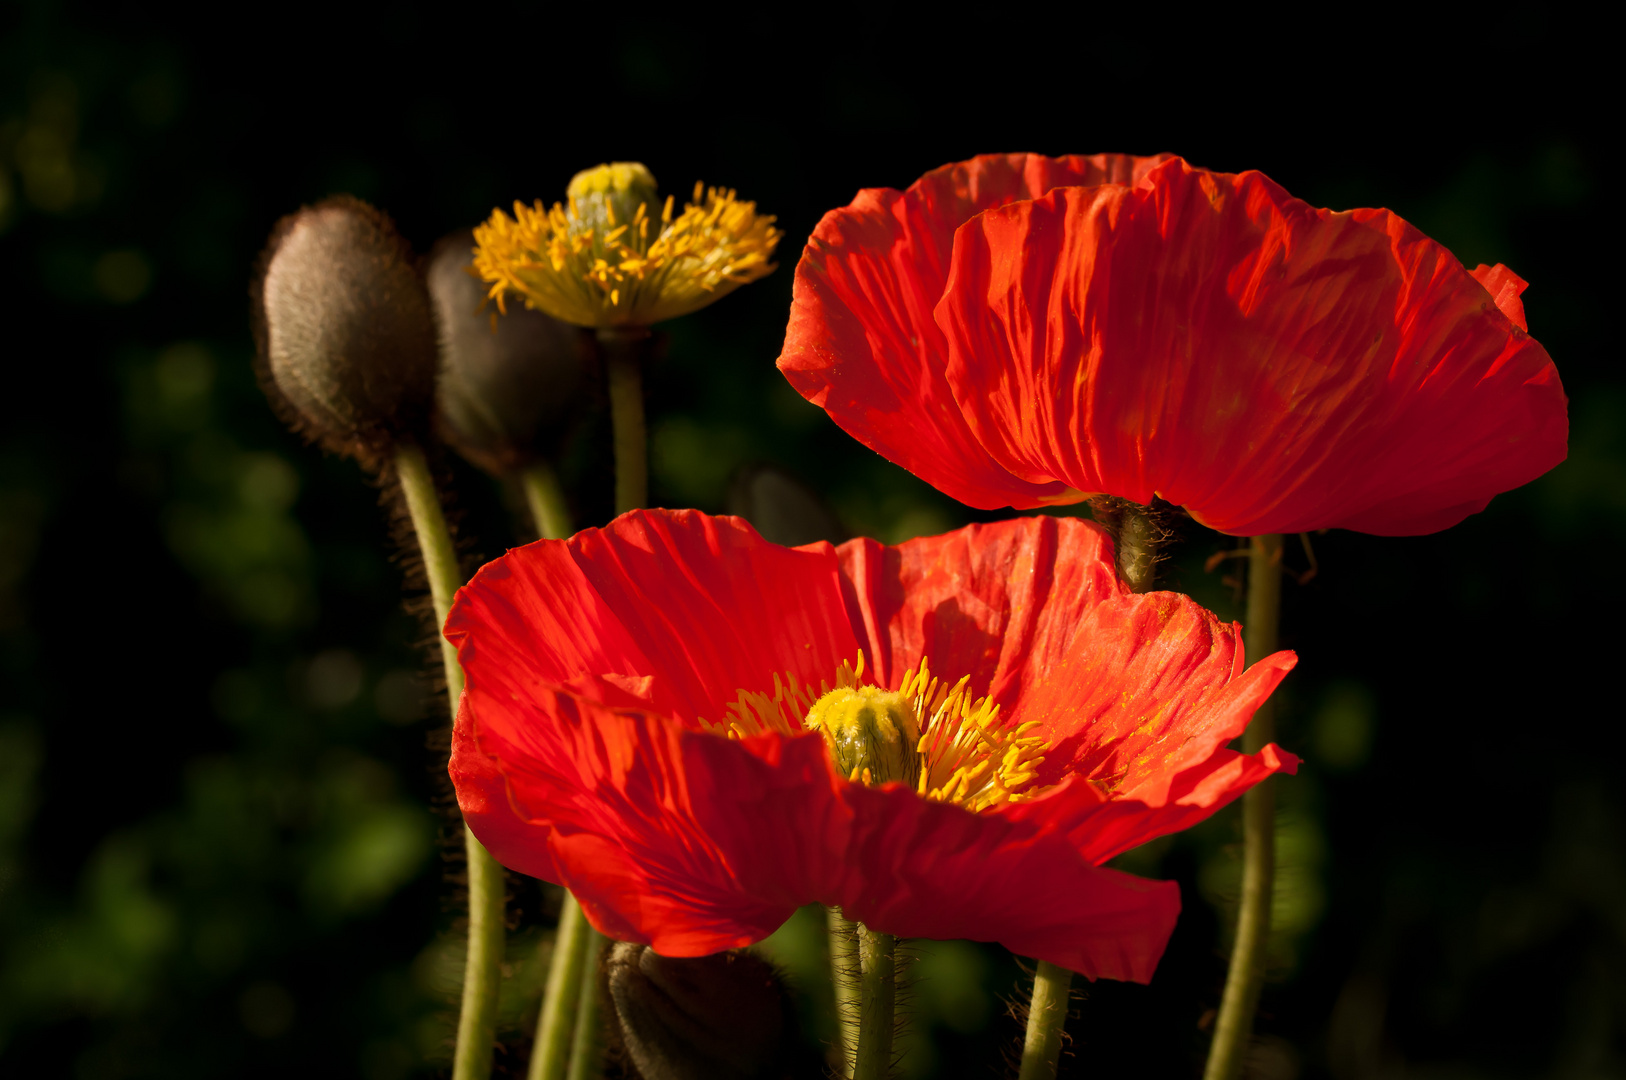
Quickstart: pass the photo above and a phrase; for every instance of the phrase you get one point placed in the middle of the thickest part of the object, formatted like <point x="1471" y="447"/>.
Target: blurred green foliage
<point x="223" y="814"/>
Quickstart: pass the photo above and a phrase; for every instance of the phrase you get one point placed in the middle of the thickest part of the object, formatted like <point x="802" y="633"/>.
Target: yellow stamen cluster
<point x="603" y="258"/>
<point x="965" y="756"/>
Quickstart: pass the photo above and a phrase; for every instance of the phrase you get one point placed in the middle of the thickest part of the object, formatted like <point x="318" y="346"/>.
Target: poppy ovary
<point x="872" y="734"/>
<point x="607" y="197"/>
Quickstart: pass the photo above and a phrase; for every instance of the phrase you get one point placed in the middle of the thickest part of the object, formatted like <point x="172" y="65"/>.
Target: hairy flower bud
<point x="507" y="381"/>
<point x="719" y="1017"/>
<point x="342" y="320"/>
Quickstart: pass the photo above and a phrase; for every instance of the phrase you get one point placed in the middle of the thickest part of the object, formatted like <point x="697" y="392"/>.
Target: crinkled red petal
<point x="1100" y="828"/>
<point x="675" y="611"/>
<point x="1129" y="689"/>
<point x="997" y="602"/>
<point x="483" y="799"/>
<point x="932" y="870"/>
<point x="862" y="343"/>
<point x="1273" y="368"/>
<point x="1505" y="288"/>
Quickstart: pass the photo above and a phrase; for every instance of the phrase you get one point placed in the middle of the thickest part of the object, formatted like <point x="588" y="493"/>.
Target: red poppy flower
<point x="633" y="729"/>
<point x="1201" y="337"/>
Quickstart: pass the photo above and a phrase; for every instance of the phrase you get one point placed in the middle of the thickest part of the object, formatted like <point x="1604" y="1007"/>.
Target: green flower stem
<point x="1047" y="1016"/>
<point x="557" y="1021"/>
<point x="439" y="556"/>
<point x="1234" y="1027"/>
<point x="844" y="973"/>
<point x="546" y="500"/>
<point x="482" y="973"/>
<point x="624" y="351"/>
<point x="586" y="1047"/>
<point x="875" y="1011"/>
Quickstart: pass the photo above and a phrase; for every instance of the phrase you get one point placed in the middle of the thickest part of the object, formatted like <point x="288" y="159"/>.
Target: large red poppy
<point x="590" y="747"/>
<point x="1197" y="336"/>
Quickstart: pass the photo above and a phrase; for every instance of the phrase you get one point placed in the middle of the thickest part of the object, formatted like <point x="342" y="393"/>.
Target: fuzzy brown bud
<point x="508" y="381"/>
<point x="346" y="338"/>
<point x="720" y="1017"/>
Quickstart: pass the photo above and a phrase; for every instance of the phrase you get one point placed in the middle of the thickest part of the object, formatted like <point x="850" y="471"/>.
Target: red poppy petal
<point x="688" y="842"/>
<point x="1147" y="690"/>
<point x="482" y="796"/>
<point x="1130" y="688"/>
<point x="1505" y="288"/>
<point x="862" y="343"/>
<point x="932" y="870"/>
<point x="673" y="610"/>
<point x="998" y="602"/>
<point x="1102" y="828"/>
<point x="1209" y="339"/>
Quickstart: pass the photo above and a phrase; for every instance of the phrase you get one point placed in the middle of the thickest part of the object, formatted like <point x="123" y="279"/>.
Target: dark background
<point x="219" y="806"/>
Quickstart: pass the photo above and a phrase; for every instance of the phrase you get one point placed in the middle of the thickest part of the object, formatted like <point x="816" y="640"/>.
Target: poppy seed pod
<point x="716" y="1017"/>
<point x="507" y="380"/>
<point x="343" y="324"/>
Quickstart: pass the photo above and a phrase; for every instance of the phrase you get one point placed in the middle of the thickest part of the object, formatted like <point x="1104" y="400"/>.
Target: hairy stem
<point x="624" y="351"/>
<point x="546" y="500"/>
<point x="482" y="973"/>
<point x="878" y="975"/>
<point x="1139" y="535"/>
<point x="845" y="975"/>
<point x="586" y="1045"/>
<point x="439" y="554"/>
<point x="1047" y="1016"/>
<point x="1234" y="1026"/>
<point x="556" y="1023"/>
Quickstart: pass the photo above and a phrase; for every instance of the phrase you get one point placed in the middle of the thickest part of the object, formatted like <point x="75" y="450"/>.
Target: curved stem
<point x="1234" y="1025"/>
<point x="1047" y="1017"/>
<point x="482" y="973"/>
<point x="556" y="1023"/>
<point x="873" y="1059"/>
<point x="845" y="975"/>
<point x="624" y="350"/>
<point x="546" y="500"/>
<point x="586" y="1045"/>
<point x="439" y="554"/>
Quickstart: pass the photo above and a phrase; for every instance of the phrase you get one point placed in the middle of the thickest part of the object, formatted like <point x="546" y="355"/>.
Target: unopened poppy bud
<point x="507" y="380"/>
<point x="342" y="319"/>
<point x="872" y="734"/>
<point x="719" y="1017"/>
